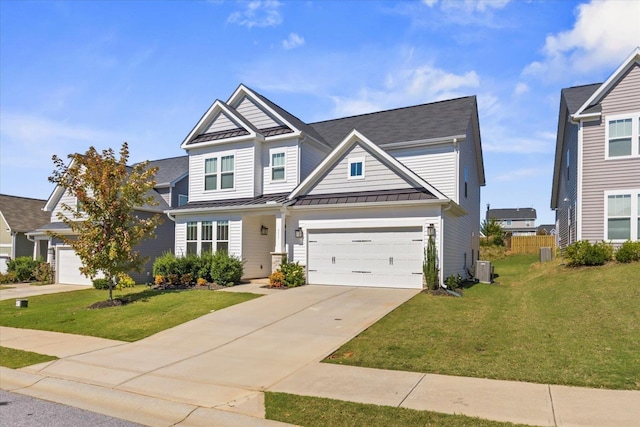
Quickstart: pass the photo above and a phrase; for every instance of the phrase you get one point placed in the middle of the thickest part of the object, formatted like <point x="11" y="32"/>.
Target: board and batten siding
<point x="290" y="148"/>
<point x="435" y="164"/>
<point x="243" y="177"/>
<point x="255" y="114"/>
<point x="221" y="122"/>
<point x="600" y="175"/>
<point x="256" y="248"/>
<point x="235" y="231"/>
<point x="377" y="176"/>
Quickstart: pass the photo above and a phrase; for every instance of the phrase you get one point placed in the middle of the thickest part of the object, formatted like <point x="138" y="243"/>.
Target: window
<point x="222" y="175"/>
<point x="183" y="199"/>
<point x="222" y="235"/>
<point x="623" y="136"/>
<point x="192" y="238"/>
<point x="277" y="166"/>
<point x="356" y="168"/>
<point x="508" y="222"/>
<point x="206" y="237"/>
<point x="568" y="170"/>
<point x="622" y="220"/>
<point x="466" y="181"/>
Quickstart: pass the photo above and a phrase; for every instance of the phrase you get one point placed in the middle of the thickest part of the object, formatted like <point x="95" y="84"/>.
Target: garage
<point x="386" y="257"/>
<point x="68" y="264"/>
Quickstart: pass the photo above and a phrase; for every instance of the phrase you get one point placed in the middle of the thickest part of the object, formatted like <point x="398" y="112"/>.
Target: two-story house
<point x="353" y="199"/>
<point x="596" y="178"/>
<point x="515" y="221"/>
<point x="171" y="190"/>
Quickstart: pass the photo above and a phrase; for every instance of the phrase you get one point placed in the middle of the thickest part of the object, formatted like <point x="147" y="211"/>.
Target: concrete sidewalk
<point x="213" y="370"/>
<point x="25" y="290"/>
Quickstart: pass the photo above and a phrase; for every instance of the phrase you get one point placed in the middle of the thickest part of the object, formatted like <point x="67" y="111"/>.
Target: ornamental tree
<point x="104" y="224"/>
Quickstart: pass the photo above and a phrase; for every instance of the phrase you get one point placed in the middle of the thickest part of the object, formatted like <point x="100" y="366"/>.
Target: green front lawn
<point x="150" y="311"/>
<point x="542" y="323"/>
<point x="317" y="411"/>
<point x="14" y="359"/>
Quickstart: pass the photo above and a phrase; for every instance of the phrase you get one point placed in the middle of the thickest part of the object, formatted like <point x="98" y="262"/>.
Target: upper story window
<point x="568" y="164"/>
<point x="183" y="199"/>
<point x="623" y="136"/>
<point x="466" y="181"/>
<point x="356" y="168"/>
<point x="623" y="215"/>
<point x="507" y="222"/>
<point x="278" y="166"/>
<point x="219" y="173"/>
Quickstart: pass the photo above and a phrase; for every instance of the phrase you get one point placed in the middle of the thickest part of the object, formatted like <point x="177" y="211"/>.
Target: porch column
<point x="279" y="253"/>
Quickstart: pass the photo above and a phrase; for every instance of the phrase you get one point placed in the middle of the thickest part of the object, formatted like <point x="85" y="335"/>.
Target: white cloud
<point x="604" y="34"/>
<point x="408" y="86"/>
<point x="468" y="5"/>
<point x="520" y="89"/>
<point x="258" y="13"/>
<point x="521" y="173"/>
<point x="502" y="141"/>
<point x="461" y="12"/>
<point x="293" y="41"/>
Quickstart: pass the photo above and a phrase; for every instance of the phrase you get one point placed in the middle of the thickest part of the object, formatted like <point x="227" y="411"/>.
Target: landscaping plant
<point x="429" y="266"/>
<point x="23" y="267"/>
<point x="293" y="274"/>
<point x="44" y="273"/>
<point x="628" y="252"/>
<point x="226" y="270"/>
<point x="584" y="253"/>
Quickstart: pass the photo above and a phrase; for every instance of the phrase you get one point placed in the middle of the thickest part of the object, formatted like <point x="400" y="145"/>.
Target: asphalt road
<point x="17" y="410"/>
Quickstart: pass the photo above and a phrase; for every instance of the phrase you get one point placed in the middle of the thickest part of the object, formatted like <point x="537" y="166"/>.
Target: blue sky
<point x="75" y="74"/>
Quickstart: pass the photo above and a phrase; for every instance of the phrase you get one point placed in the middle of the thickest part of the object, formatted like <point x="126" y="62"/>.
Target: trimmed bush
<point x="584" y="253"/>
<point x="125" y="281"/>
<point x="44" y="273"/>
<point x="293" y="274"/>
<point x="24" y="268"/>
<point x="165" y="265"/>
<point x="628" y="252"/>
<point x="226" y="270"/>
<point x="101" y="283"/>
<point x="276" y="279"/>
<point x="9" y="277"/>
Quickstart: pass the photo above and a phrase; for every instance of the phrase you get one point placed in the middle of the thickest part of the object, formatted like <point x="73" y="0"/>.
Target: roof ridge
<point x="585" y="85"/>
<point x="24" y="197"/>
<point x="393" y="109"/>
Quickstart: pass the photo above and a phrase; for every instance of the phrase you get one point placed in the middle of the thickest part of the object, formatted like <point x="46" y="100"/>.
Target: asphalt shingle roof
<point x="578" y="95"/>
<point x="22" y="213"/>
<point x="170" y="169"/>
<point x="427" y="121"/>
<point x="511" y="213"/>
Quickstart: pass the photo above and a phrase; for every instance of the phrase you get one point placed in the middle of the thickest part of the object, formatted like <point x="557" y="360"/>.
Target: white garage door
<point x="67" y="265"/>
<point x="372" y="257"/>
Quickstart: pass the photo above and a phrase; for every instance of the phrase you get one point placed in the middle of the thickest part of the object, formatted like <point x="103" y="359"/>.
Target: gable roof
<point x="356" y="137"/>
<point x="576" y="96"/>
<point x="170" y="170"/>
<point x="512" y="213"/>
<point x="23" y="213"/>
<point x="417" y="123"/>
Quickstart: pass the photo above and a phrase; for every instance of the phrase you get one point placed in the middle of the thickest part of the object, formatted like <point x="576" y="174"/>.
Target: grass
<point x="316" y="411"/>
<point x="15" y="359"/>
<point x="150" y="311"/>
<point x="543" y="323"/>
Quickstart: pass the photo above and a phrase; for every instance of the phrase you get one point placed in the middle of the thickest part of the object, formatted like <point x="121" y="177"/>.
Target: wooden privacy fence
<point x="532" y="244"/>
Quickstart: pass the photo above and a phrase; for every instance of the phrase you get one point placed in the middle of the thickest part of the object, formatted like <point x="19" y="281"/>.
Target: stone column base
<point x="276" y="260"/>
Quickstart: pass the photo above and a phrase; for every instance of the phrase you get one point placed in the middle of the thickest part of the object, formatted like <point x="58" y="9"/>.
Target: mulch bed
<point x="108" y="303"/>
<point x="441" y="292"/>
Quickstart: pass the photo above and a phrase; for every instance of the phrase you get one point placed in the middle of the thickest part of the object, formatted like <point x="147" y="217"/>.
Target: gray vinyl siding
<point x="180" y="187"/>
<point x="256" y="248"/>
<point x="255" y="114"/>
<point x="568" y="188"/>
<point x="165" y="193"/>
<point x="24" y="247"/>
<point x="154" y="247"/>
<point x="377" y="176"/>
<point x="221" y="122"/>
<point x="600" y="175"/>
<point x="435" y="164"/>
<point x="310" y="158"/>
<point x="5" y="237"/>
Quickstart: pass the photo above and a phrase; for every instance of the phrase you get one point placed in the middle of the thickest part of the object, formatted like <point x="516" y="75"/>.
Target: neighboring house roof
<point x="546" y="229"/>
<point x="170" y="170"/>
<point x="576" y="96"/>
<point x="23" y="213"/>
<point x="418" y="123"/>
<point x="512" y="213"/>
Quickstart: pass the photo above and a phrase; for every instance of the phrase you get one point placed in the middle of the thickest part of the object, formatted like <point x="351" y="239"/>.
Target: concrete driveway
<point x="25" y="290"/>
<point x="226" y="358"/>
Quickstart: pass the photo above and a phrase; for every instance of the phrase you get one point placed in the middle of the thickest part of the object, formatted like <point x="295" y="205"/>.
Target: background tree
<point x="104" y="224"/>
<point x="493" y="230"/>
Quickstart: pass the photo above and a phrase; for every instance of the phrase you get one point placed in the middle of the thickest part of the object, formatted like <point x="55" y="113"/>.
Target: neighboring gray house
<point x="171" y="183"/>
<point x="352" y="199"/>
<point x="18" y="215"/>
<point x="546" y="230"/>
<point x="515" y="221"/>
<point x="596" y="178"/>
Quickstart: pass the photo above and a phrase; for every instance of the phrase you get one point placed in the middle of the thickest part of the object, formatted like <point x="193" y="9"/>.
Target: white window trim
<point x="635" y="135"/>
<point x="218" y="172"/>
<point x="355" y="160"/>
<point x="271" y="166"/>
<point x="633" y="217"/>
<point x="214" y="235"/>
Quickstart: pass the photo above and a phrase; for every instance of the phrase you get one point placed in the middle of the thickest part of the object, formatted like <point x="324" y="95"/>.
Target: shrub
<point x="293" y="274"/>
<point x="165" y="264"/>
<point x="276" y="279"/>
<point x="186" y="279"/>
<point x="125" y="281"/>
<point x="44" y="273"/>
<point x="202" y="282"/>
<point x="9" y="277"/>
<point x="159" y="279"/>
<point x="24" y="268"/>
<point x="628" y="252"/>
<point x="453" y="281"/>
<point x="226" y="270"/>
<point x="173" y="279"/>
<point x="101" y="283"/>
<point x="584" y="253"/>
<point x="202" y="266"/>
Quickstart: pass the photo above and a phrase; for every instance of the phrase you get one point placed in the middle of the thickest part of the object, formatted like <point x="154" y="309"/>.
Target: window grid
<point x="192" y="238"/>
<point x="219" y="178"/>
<point x="222" y="235"/>
<point x="619" y="217"/>
<point x="206" y="233"/>
<point x="277" y="166"/>
<point x="622" y="136"/>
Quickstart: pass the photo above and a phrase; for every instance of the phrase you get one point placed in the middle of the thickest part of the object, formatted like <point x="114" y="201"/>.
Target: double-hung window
<point x="623" y="215"/>
<point x="222" y="236"/>
<point x="623" y="136"/>
<point x="219" y="173"/>
<point x="356" y="168"/>
<point x="278" y="166"/>
<point x="206" y="237"/>
<point x="192" y="238"/>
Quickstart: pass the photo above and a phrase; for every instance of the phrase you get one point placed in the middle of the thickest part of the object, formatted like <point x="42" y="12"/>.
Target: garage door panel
<point x="68" y="266"/>
<point x="378" y="257"/>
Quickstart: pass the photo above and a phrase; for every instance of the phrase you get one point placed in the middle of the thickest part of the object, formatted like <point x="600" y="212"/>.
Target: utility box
<point x="484" y="271"/>
<point x="22" y="303"/>
<point x="545" y="254"/>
